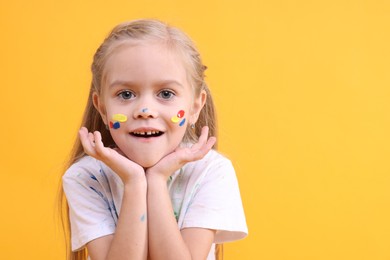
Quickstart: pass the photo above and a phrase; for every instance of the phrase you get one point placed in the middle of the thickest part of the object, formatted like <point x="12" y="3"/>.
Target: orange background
<point x="302" y="91"/>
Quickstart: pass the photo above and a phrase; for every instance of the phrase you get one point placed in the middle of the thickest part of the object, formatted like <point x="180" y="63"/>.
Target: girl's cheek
<point x="116" y="120"/>
<point x="179" y="118"/>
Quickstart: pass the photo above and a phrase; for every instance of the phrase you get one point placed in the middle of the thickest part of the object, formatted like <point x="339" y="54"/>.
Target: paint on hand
<point x="142" y="218"/>
<point x="119" y="117"/>
<point x="176" y="119"/>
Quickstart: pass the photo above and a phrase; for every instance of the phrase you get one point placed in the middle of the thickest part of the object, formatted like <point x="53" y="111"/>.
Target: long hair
<point x="134" y="32"/>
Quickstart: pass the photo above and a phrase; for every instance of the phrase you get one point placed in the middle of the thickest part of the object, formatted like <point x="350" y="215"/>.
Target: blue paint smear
<point x="93" y="177"/>
<point x="182" y="122"/>
<point x="102" y="196"/>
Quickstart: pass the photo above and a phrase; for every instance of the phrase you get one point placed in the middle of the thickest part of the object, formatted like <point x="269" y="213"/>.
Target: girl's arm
<point x="165" y="239"/>
<point x="130" y="238"/>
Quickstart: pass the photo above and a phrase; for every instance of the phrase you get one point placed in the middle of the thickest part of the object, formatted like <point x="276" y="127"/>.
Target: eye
<point x="126" y="94"/>
<point x="166" y="94"/>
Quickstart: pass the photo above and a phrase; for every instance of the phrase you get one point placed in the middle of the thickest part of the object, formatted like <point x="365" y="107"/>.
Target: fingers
<point x="202" y="139"/>
<point x="204" y="134"/>
<point x="210" y="143"/>
<point x="98" y="142"/>
<point x="203" y="146"/>
<point x="204" y="149"/>
<point x="86" y="140"/>
<point x="92" y="143"/>
<point x="207" y="143"/>
<point x="91" y="139"/>
<point x="204" y="143"/>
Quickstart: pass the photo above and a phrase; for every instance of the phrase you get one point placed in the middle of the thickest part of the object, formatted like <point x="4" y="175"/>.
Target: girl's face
<point x="147" y="101"/>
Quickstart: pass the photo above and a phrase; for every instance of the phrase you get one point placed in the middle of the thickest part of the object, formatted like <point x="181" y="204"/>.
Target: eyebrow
<point x="121" y="83"/>
<point x="158" y="83"/>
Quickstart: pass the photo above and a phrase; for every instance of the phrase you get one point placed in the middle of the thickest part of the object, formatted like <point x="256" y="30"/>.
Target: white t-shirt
<point x="204" y="194"/>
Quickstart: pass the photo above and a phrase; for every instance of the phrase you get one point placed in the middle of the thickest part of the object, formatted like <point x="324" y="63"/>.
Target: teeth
<point x="147" y="133"/>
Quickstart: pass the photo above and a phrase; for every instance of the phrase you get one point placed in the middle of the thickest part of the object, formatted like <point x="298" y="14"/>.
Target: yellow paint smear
<point x="119" y="117"/>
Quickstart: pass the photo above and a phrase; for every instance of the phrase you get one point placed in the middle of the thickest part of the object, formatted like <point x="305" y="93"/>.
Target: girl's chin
<point x="145" y="161"/>
<point x="147" y="158"/>
<point x="147" y="165"/>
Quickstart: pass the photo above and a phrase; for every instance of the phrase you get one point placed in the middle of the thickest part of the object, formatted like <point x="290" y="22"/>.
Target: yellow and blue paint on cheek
<point x="179" y="117"/>
<point x="116" y="120"/>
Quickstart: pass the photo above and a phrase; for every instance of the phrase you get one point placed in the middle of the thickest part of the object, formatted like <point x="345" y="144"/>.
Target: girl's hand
<point x="126" y="169"/>
<point x="175" y="160"/>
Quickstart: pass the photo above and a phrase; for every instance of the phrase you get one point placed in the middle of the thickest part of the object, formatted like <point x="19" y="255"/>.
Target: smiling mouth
<point x="147" y="134"/>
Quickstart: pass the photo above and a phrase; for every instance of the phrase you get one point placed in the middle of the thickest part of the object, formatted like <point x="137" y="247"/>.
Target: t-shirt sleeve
<point x="89" y="208"/>
<point x="217" y="204"/>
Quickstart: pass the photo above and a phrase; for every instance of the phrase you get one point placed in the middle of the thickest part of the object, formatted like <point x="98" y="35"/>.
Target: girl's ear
<point x="98" y="104"/>
<point x="199" y="102"/>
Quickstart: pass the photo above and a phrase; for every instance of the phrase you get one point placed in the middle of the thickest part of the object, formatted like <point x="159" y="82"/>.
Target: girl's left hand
<point x="175" y="160"/>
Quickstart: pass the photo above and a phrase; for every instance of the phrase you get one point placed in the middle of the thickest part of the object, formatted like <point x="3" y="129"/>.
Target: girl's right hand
<point x="126" y="169"/>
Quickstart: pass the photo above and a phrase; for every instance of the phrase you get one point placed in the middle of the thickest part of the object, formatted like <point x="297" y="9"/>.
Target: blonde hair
<point x="138" y="31"/>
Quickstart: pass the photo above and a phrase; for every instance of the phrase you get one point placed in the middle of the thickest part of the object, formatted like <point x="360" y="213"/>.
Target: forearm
<point x="165" y="240"/>
<point x="130" y="240"/>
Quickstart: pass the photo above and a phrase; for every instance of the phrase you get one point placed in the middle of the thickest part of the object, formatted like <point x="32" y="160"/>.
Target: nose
<point x="145" y="112"/>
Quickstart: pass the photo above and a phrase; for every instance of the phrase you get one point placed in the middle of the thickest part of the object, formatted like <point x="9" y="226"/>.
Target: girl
<point x="144" y="181"/>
